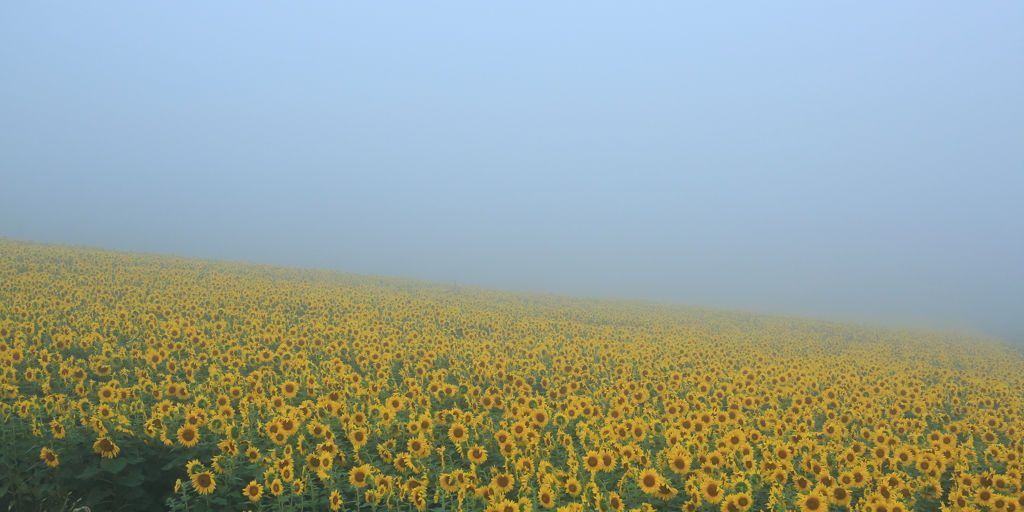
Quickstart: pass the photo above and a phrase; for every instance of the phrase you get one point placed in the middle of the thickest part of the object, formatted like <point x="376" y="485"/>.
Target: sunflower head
<point x="458" y="433"/>
<point x="711" y="490"/>
<point x="49" y="457"/>
<point x="253" y="491"/>
<point x="106" y="447"/>
<point x="204" y="482"/>
<point x="360" y="476"/>
<point x="649" y="481"/>
<point x="188" y="436"/>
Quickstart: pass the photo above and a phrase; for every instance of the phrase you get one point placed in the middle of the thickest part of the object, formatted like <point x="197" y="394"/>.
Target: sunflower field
<point x="149" y="382"/>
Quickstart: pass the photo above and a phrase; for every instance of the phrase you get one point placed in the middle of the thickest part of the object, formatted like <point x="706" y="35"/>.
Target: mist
<point x="851" y="161"/>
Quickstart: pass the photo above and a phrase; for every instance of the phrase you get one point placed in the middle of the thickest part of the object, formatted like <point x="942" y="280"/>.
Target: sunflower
<point x="49" y="457"/>
<point x="616" y="502"/>
<point x="519" y="429"/>
<point x="506" y="506"/>
<point x="903" y="455"/>
<point x="395" y="403"/>
<point x="108" y="394"/>
<point x="360" y="476"/>
<point x="59" y="432"/>
<point x="403" y="462"/>
<point x="665" y="491"/>
<point x="288" y="425"/>
<point x="711" y="489"/>
<point x="413" y="485"/>
<point x="503" y="482"/>
<point x="418" y="446"/>
<point x="358" y="437"/>
<point x="540" y="418"/>
<point x="984" y="497"/>
<point x="839" y="496"/>
<point x="735" y="438"/>
<point x="335" y="500"/>
<point x="524" y="465"/>
<point x="384" y="483"/>
<point x="316" y="429"/>
<point x="203" y="482"/>
<point x="253" y="491"/>
<point x="105" y="447"/>
<point x="458" y="433"/>
<point x="802" y="484"/>
<point x="741" y="502"/>
<point x="573" y="487"/>
<point x="508" y="450"/>
<point x="314" y="462"/>
<point x="678" y="462"/>
<point x="649" y="481"/>
<point x="1000" y="482"/>
<point x="276" y="487"/>
<point x="253" y="454"/>
<point x="959" y="501"/>
<point x="880" y="452"/>
<point x="188" y="436"/>
<point x="592" y="461"/>
<point x="502" y="437"/>
<point x="449" y="482"/>
<point x="228" y="446"/>
<point x="546" y="497"/>
<point x="607" y="460"/>
<point x="289" y="389"/>
<point x="782" y="453"/>
<point x="859" y="476"/>
<point x="812" y="502"/>
<point x="477" y="455"/>
<point x="999" y="503"/>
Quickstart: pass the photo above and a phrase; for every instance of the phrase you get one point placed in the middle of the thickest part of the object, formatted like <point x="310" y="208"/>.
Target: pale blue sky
<point x="848" y="160"/>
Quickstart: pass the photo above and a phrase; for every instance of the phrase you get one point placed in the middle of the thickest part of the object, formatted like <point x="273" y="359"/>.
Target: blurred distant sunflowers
<point x="285" y="388"/>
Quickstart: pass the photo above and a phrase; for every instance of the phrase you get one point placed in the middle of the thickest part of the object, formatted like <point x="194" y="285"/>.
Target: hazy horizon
<point x="853" y="162"/>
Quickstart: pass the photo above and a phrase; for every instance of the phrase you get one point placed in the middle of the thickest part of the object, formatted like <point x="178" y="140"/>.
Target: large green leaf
<point x="89" y="472"/>
<point x="131" y="479"/>
<point x="113" y="465"/>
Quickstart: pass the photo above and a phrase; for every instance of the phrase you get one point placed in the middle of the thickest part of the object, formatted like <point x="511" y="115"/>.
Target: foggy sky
<point x="844" y="160"/>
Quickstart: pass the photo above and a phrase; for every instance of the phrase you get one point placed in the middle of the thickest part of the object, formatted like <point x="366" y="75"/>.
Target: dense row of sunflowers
<point x="142" y="381"/>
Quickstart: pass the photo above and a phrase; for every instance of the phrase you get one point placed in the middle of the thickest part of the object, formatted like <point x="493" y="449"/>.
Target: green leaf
<point x="89" y="472"/>
<point x="131" y="479"/>
<point x="134" y="494"/>
<point x="97" y="495"/>
<point x="113" y="465"/>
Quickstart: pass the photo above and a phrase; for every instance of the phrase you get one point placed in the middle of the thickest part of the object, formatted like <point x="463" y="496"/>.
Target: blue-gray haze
<point x="844" y="160"/>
